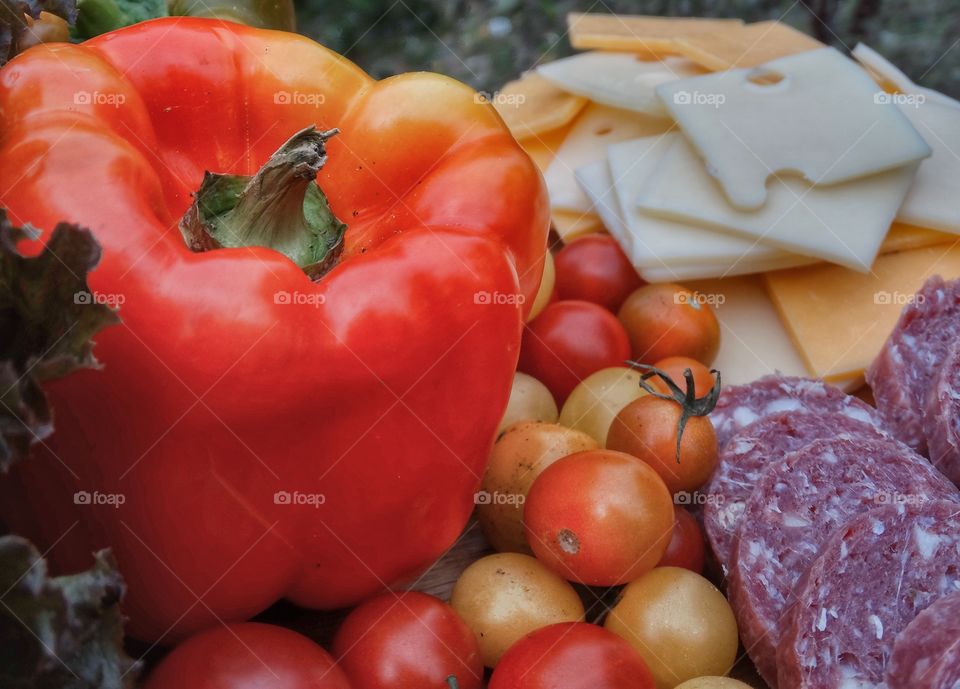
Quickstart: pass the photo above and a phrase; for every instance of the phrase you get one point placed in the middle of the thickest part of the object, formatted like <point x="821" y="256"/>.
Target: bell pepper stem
<point x="281" y="208"/>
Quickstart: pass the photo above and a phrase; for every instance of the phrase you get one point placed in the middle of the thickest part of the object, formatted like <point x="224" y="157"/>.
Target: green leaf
<point x="100" y="16"/>
<point x="13" y="20"/>
<point x="48" y="315"/>
<point x="60" y="632"/>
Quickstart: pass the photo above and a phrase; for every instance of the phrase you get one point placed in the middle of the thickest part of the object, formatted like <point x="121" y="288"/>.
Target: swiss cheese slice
<point x="934" y="199"/>
<point x="839" y="319"/>
<point x="649" y="36"/>
<point x="572" y="224"/>
<point x="531" y="106"/>
<point x="596" y="128"/>
<point x="893" y="78"/>
<point x="597" y="184"/>
<point x="843" y="224"/>
<point x="619" y="80"/>
<point x="661" y="242"/>
<point x="749" y="46"/>
<point x="820" y="118"/>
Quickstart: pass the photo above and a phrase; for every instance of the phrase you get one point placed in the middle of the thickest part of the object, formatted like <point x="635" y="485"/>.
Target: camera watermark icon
<point x="299" y="98"/>
<point x="714" y="100"/>
<point x="897" y="298"/>
<point x="296" y="498"/>
<point x="514" y="100"/>
<point x="698" y="299"/>
<point x="299" y="298"/>
<point x="498" y="298"/>
<point x="101" y="298"/>
<point x="99" y="98"/>
<point x="912" y="100"/>
<point x="96" y="498"/>
<point x="483" y="497"/>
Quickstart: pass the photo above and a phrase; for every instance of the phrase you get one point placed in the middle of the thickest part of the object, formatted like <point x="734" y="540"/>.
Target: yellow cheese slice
<point x="542" y="148"/>
<point x="839" y="319"/>
<point x="750" y="46"/>
<point x="620" y="80"/>
<point x="844" y="223"/>
<point x="570" y="225"/>
<point x="596" y="128"/>
<point x="650" y="36"/>
<point x="934" y="199"/>
<point x="821" y="120"/>
<point x="902" y="237"/>
<point x="531" y="105"/>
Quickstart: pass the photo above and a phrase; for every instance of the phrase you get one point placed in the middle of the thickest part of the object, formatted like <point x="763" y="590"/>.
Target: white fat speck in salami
<point x="902" y="374"/>
<point x="742" y="405"/>
<point x="749" y="451"/>
<point x="798" y="502"/>
<point x="876" y="582"/>
<point x="926" y="654"/>
<point x="941" y="423"/>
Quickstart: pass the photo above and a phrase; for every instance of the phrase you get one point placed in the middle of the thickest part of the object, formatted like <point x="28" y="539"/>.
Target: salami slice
<point x="903" y="372"/>
<point x="941" y="422"/>
<point x="797" y="504"/>
<point x="926" y="654"/>
<point x="746" y="455"/>
<point x="870" y="581"/>
<point x="742" y="405"/>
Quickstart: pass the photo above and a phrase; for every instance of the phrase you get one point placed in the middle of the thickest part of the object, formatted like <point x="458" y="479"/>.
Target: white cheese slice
<point x="596" y="128"/>
<point x="816" y="114"/>
<point x="894" y="76"/>
<point x="843" y="223"/>
<point x="660" y="242"/>
<point x="597" y="184"/>
<point x="620" y="80"/>
<point x="934" y="199"/>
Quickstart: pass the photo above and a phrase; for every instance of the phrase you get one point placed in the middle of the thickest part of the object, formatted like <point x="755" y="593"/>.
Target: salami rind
<point x="797" y="504"/>
<point x="747" y="454"/>
<point x="869" y="582"/>
<point x="926" y="654"/>
<point x="941" y="422"/>
<point x="741" y="405"/>
<point x="903" y="372"/>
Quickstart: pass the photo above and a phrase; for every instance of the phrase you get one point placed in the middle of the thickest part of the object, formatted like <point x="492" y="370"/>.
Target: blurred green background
<point x="488" y="42"/>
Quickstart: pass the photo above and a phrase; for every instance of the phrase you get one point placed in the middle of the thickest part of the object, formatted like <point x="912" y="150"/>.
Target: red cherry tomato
<point x="247" y="656"/>
<point x="595" y="269"/>
<point x="572" y="655"/>
<point x="569" y="341"/>
<point x="669" y="320"/>
<point x="407" y="641"/>
<point x="686" y="547"/>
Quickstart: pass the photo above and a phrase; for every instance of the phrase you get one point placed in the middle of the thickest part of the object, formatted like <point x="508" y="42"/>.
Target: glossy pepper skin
<point x="270" y="436"/>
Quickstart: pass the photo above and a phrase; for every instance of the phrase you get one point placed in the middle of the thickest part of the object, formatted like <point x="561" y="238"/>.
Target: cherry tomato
<point x="675" y="366"/>
<point x="598" y="398"/>
<point x="594" y="268"/>
<point x="529" y="401"/>
<point x="502" y="597"/>
<point x="713" y="683"/>
<point x="569" y="341"/>
<point x="247" y="656"/>
<point x="547" y="292"/>
<point x="572" y="655"/>
<point x="647" y="428"/>
<point x="407" y="641"/>
<point x="679" y="622"/>
<point x="599" y="517"/>
<point x="519" y="455"/>
<point x="686" y="547"/>
<point x="669" y="320"/>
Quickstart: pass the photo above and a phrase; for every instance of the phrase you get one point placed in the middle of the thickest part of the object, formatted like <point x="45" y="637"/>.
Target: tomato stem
<point x="690" y="404"/>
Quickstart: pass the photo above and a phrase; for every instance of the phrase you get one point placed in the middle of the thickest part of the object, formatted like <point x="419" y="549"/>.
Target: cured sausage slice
<point x="926" y="654"/>
<point x="903" y="372"/>
<point x="742" y="405"/>
<point x="870" y="581"/>
<point x="797" y="504"/>
<point x="941" y="423"/>
<point x="747" y="454"/>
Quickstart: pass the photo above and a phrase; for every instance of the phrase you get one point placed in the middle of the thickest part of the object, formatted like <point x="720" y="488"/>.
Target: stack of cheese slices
<point x="808" y="193"/>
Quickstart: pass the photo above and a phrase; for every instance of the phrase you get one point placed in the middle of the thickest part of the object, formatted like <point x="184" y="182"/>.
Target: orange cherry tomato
<point x="669" y="320"/>
<point x="675" y="366"/>
<point x="647" y="428"/>
<point x="599" y="517"/>
<point x="686" y="547"/>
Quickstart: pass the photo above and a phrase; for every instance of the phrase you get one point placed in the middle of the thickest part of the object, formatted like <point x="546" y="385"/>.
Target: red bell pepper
<point x="255" y="433"/>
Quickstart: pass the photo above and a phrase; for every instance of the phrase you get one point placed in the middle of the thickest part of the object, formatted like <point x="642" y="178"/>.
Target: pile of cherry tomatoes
<point x="598" y="579"/>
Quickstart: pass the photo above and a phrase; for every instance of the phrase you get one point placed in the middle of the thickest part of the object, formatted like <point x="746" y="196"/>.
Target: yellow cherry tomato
<point x="594" y="403"/>
<point x="547" y="283"/>
<point x="529" y="401"/>
<point x="679" y="622"/>
<point x="505" y="596"/>
<point x="714" y="683"/>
